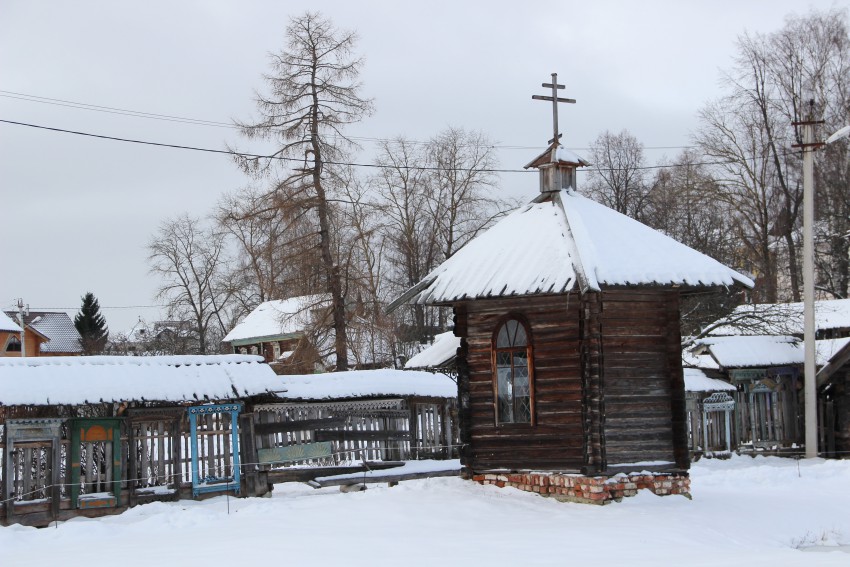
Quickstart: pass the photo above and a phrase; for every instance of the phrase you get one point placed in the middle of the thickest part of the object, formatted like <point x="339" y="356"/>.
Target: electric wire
<point x="218" y="124"/>
<point x="248" y="155"/>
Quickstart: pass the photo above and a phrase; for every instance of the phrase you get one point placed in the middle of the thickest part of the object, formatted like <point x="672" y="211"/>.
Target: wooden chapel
<point x="570" y="359"/>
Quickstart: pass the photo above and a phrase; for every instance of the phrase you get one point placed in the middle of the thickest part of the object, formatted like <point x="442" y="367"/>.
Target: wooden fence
<point x="56" y="468"/>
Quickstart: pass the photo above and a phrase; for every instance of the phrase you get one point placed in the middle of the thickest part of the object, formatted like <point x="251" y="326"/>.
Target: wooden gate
<point x="95" y="456"/>
<point x="32" y="470"/>
<point x="213" y="433"/>
<point x="155" y="453"/>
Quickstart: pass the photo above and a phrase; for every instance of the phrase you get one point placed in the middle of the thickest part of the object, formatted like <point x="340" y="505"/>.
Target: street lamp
<point x="809" y="369"/>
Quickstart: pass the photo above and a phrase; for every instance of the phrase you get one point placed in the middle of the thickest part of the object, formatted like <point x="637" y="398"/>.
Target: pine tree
<point x="91" y="325"/>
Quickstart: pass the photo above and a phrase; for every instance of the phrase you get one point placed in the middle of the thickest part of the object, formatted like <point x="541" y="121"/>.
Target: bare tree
<point x="617" y="176"/>
<point x="403" y="190"/>
<point x="313" y="94"/>
<point x="749" y="131"/>
<point x="189" y="259"/>
<point x="463" y="162"/>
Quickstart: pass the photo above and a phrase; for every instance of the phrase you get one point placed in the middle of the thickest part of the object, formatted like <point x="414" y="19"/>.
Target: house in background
<point x="758" y="350"/>
<point x="440" y="356"/>
<point x="10" y="337"/>
<point x="285" y="332"/>
<point x="62" y="336"/>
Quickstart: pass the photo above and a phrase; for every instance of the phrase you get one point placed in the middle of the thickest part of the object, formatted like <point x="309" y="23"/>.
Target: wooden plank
<point x="291" y="453"/>
<point x="304" y="474"/>
<point x="303" y="425"/>
<point x="372" y="479"/>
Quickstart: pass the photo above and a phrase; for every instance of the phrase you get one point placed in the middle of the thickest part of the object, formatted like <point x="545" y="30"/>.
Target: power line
<point x="102" y="307"/>
<point x="243" y="154"/>
<point x="219" y="124"/>
<point x="346" y="164"/>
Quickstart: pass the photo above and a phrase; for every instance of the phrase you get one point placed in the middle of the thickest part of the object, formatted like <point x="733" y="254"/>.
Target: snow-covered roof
<point x="80" y="379"/>
<point x="7" y="324"/>
<point x="784" y="318"/>
<point x="562" y="241"/>
<point x="278" y="318"/>
<point x="746" y="351"/>
<point x="697" y="381"/>
<point x="58" y="327"/>
<point x="757" y="351"/>
<point x="558" y="154"/>
<point x="694" y="360"/>
<point x="368" y="383"/>
<point x="438" y="354"/>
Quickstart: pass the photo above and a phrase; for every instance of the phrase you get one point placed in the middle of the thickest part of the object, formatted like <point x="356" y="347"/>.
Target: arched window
<point x="513" y="378"/>
<point x="13" y="344"/>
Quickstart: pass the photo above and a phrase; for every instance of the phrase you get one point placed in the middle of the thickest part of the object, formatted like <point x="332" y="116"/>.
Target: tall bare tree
<point x="313" y="93"/>
<point x="190" y="261"/>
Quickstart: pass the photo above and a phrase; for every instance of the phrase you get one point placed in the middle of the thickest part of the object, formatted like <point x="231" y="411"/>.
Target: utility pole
<point x="23" y="311"/>
<point x="809" y="369"/>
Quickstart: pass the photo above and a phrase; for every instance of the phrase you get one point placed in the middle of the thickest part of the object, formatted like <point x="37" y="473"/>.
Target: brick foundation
<point x="590" y="489"/>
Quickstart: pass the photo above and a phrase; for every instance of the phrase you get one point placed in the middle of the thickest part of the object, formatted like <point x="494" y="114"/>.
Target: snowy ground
<point x="745" y="512"/>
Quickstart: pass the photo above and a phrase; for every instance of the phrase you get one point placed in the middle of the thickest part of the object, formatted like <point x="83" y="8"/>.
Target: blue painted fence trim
<point x="215" y="484"/>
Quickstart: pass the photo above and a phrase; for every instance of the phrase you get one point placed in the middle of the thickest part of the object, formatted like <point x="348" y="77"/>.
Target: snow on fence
<point x="57" y="468"/>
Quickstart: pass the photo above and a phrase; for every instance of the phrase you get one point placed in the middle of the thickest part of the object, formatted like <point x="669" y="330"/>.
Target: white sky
<point x="77" y="212"/>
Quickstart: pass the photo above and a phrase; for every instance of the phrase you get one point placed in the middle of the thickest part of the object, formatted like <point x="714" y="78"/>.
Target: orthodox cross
<point x="554" y="100"/>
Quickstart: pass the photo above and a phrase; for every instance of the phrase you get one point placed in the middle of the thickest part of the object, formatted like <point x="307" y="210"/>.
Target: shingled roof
<point x="561" y="242"/>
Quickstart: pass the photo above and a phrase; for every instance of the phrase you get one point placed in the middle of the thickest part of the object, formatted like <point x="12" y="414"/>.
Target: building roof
<point x="277" y="318"/>
<point x="59" y="328"/>
<point x="8" y="324"/>
<point x="783" y="318"/>
<point x="437" y="355"/>
<point x="75" y="380"/>
<point x="563" y="241"/>
<point x="762" y="350"/>
<point x="698" y="381"/>
<point x="367" y="384"/>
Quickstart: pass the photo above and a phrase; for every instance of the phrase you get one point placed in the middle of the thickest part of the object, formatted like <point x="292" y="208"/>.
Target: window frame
<point x="9" y="341"/>
<point x="529" y="351"/>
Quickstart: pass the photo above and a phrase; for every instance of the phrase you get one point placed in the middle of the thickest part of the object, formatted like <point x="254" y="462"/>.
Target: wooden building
<point x="833" y="384"/>
<point x="10" y="338"/>
<point x="62" y="336"/>
<point x="570" y="356"/>
<point x="287" y="333"/>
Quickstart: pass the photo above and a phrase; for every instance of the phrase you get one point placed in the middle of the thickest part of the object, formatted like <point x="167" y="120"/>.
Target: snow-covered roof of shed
<point x="7" y="324"/>
<point x="278" y="317"/>
<point x="745" y="351"/>
<point x="753" y="351"/>
<point x="697" y="381"/>
<point x="75" y="380"/>
<point x="367" y="384"/>
<point x="436" y="355"/>
<point x="694" y="360"/>
<point x="783" y="318"/>
<point x="563" y="240"/>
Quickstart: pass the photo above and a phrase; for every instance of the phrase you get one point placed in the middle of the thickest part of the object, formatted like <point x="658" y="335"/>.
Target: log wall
<point x="645" y="416"/>
<point x="555" y="440"/>
<point x="608" y="387"/>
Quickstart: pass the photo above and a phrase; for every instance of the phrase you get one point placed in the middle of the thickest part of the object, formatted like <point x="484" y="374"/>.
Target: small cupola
<point x="557" y="164"/>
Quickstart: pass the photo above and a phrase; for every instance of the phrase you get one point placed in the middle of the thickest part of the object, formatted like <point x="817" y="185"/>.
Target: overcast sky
<point x="77" y="212"/>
